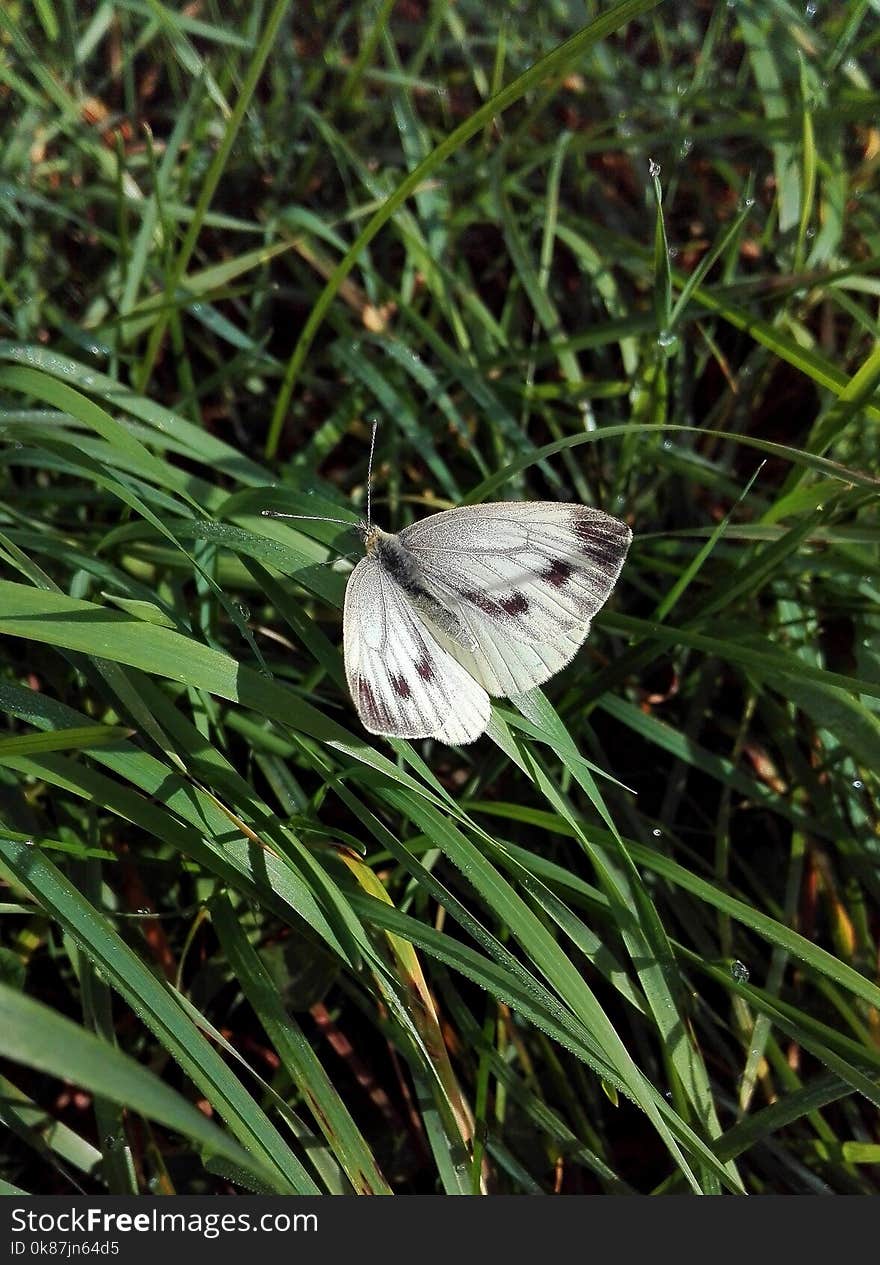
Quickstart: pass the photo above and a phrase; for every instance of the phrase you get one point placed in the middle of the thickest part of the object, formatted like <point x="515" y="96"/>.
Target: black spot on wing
<point x="482" y="601"/>
<point x="558" y="573"/>
<point x="504" y="607"/>
<point x="400" y="686"/>
<point x="516" y="604"/>
<point x="367" y="703"/>
<point x="425" y="668"/>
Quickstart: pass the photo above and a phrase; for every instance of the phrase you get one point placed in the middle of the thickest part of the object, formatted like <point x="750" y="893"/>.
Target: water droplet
<point x="666" y="338"/>
<point x="656" y="832"/>
<point x="244" y="611"/>
<point x="28" y="843"/>
<point x="673" y="252"/>
<point x="810" y="10"/>
<point x="654" y="169"/>
<point x="681" y="89"/>
<point x="110" y="1142"/>
<point x="739" y="971"/>
<point x="686" y="146"/>
<point x="858" y="784"/>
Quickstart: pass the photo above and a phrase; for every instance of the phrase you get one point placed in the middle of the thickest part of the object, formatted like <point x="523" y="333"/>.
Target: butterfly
<point x="480" y="601"/>
<point x="473" y="603"/>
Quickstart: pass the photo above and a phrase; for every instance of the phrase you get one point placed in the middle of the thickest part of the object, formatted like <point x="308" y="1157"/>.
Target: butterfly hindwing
<point x="523" y="578"/>
<point x="402" y="680"/>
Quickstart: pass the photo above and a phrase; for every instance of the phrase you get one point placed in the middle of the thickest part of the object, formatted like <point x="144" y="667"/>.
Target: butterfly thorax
<point x="404" y="568"/>
<point x="395" y="558"/>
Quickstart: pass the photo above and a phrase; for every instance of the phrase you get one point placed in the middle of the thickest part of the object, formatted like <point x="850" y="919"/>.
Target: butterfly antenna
<point x="370" y="475"/>
<point x="311" y="518"/>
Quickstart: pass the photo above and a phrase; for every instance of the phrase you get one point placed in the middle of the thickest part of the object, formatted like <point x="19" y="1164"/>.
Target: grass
<point x="619" y="254"/>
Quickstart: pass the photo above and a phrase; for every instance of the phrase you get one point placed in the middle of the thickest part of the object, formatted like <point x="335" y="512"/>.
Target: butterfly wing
<point x="403" y="682"/>
<point x="524" y="579"/>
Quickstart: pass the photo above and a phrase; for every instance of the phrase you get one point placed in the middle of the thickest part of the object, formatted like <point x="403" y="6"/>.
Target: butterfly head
<point x="370" y="535"/>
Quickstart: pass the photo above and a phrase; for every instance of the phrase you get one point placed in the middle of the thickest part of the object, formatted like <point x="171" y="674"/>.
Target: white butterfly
<point x="477" y="601"/>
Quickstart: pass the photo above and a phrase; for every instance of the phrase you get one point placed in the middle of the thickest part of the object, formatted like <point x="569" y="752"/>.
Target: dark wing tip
<point x="604" y="540"/>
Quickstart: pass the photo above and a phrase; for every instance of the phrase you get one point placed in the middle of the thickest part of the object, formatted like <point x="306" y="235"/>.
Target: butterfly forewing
<point x="402" y="680"/>
<point x="525" y="579"/>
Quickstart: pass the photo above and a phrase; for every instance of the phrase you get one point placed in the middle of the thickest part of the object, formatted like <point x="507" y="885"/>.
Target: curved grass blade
<point x="38" y="1037"/>
<point x="272" y="1158"/>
